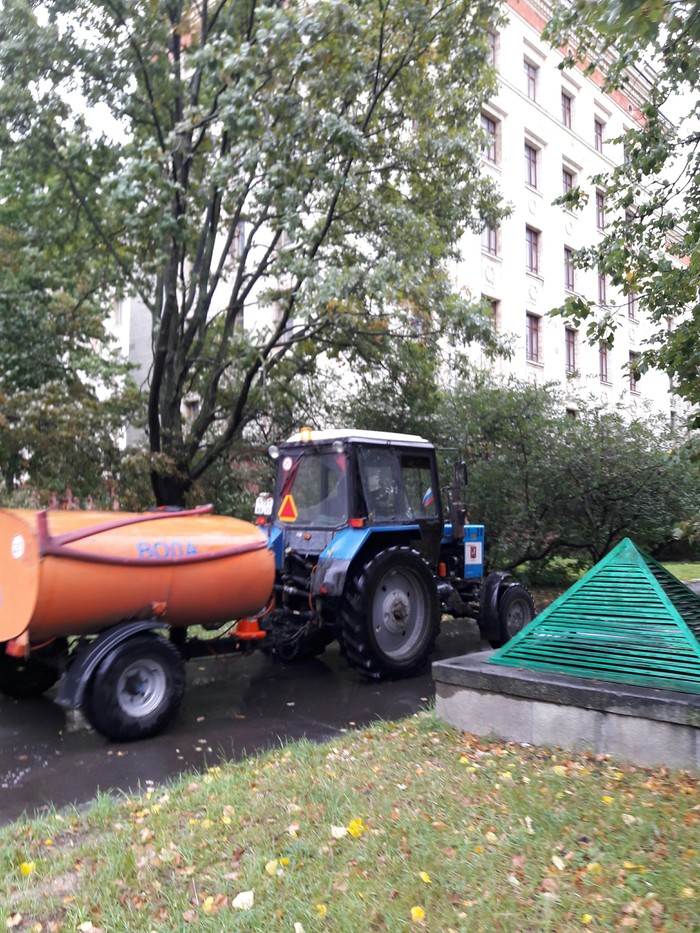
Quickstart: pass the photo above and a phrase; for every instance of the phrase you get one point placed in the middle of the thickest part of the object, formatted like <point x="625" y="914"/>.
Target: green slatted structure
<point x="627" y="620"/>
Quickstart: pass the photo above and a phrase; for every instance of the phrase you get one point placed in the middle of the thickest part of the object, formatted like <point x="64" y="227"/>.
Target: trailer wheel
<point x="23" y="678"/>
<point x="390" y="615"/>
<point x="136" y="689"/>
<point x="516" y="609"/>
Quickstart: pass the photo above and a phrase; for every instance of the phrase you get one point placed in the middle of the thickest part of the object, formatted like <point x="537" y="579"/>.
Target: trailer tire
<point x="136" y="689"/>
<point x="23" y="678"/>
<point x="516" y="609"/>
<point x="390" y="615"/>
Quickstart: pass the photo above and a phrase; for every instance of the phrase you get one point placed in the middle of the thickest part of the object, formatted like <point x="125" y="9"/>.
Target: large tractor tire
<point x="390" y="615"/>
<point x="136" y="689"/>
<point x="30" y="677"/>
<point x="516" y="609"/>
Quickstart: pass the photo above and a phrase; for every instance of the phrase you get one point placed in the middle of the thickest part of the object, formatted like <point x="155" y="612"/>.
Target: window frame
<point x="567" y="186"/>
<point x="633" y="360"/>
<point x="602" y="288"/>
<point x="531" y="165"/>
<point x="570" y="335"/>
<point x="603" y="363"/>
<point x="632" y="305"/>
<point x="533" y="343"/>
<point x="569" y="275"/>
<point x="490" y="126"/>
<point x="600" y="209"/>
<point x="531" y="75"/>
<point x="532" y="250"/>
<point x="489" y="240"/>
<point x="598" y="128"/>
<point x="567" y="109"/>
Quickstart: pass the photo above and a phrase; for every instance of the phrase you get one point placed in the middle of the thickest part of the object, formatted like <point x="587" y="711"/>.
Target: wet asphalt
<point x="233" y="707"/>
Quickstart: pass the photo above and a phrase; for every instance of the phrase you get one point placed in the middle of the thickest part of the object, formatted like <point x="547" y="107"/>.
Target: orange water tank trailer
<point x="68" y="573"/>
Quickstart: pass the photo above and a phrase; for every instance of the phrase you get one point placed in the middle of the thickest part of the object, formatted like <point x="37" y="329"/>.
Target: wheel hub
<point x="396" y="611"/>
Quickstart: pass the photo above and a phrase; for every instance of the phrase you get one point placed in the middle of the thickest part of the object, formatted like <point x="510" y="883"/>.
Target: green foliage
<point x="546" y="484"/>
<point x="344" y="136"/>
<point x="650" y="246"/>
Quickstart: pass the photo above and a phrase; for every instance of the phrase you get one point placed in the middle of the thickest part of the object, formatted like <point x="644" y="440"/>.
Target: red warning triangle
<point x="288" y="510"/>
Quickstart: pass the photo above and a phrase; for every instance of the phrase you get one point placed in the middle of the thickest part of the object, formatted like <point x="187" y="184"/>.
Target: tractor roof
<point x="360" y="437"/>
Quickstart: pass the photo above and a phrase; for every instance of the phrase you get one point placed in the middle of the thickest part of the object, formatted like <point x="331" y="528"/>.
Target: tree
<point x="319" y="160"/>
<point x="545" y="484"/>
<point x="650" y="246"/>
<point x="63" y="394"/>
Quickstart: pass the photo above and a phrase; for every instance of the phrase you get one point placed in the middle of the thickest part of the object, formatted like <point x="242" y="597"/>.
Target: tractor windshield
<point x="313" y="489"/>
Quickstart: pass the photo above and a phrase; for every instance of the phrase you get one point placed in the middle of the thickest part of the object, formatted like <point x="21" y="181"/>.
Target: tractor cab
<point x="331" y="480"/>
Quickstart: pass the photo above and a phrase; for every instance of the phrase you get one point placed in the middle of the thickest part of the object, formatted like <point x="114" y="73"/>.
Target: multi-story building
<point x="548" y="131"/>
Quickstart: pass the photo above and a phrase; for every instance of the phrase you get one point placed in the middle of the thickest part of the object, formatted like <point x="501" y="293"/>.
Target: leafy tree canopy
<point x="650" y="247"/>
<point x="319" y="160"/>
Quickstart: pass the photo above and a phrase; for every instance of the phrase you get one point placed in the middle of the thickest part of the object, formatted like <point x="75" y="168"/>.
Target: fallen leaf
<point x="338" y="832"/>
<point x="425" y="877"/>
<point x="321" y="910"/>
<point x="13" y="921"/>
<point x="558" y="862"/>
<point x="417" y="914"/>
<point x="243" y="901"/>
<point x="27" y="868"/>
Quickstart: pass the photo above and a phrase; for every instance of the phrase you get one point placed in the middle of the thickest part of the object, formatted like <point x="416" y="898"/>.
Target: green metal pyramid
<point x="627" y="620"/>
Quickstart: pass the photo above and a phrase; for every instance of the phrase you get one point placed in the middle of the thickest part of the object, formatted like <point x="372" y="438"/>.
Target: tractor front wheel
<point x="390" y="615"/>
<point x="516" y="609"/>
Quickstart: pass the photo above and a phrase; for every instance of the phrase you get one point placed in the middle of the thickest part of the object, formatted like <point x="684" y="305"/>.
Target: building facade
<point x="548" y="131"/>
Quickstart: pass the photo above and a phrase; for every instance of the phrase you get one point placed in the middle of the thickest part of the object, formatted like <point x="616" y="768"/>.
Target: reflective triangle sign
<point x="288" y="510"/>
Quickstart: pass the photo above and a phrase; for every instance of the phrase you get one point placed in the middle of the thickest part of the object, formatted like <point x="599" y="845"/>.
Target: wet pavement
<point x="232" y="707"/>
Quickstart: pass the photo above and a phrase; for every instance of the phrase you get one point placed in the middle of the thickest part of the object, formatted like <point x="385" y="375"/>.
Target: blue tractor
<point x="368" y="553"/>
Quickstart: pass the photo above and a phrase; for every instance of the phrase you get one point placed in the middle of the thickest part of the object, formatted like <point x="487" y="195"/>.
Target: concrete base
<point x="643" y="726"/>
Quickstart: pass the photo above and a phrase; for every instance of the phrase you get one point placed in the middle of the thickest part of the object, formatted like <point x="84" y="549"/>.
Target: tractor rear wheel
<point x="390" y="615"/>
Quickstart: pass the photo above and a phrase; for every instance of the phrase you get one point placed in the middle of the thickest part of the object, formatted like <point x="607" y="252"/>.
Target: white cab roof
<point x="345" y="434"/>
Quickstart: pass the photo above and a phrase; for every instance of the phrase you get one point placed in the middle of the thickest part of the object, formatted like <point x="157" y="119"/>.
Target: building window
<point x="492" y="309"/>
<point x="492" y="48"/>
<point x="532" y="250"/>
<point x="568" y="268"/>
<point x="490" y="128"/>
<point x="531" y="79"/>
<point x="603" y="362"/>
<point x="598" y="134"/>
<point x="566" y="109"/>
<point x="530" y="165"/>
<point x="532" y="338"/>
<point x="489" y="241"/>
<point x="632" y="303"/>
<point x="239" y="240"/>
<point x="602" y="288"/>
<point x="634" y="374"/>
<point x="600" y="210"/>
<point x="570" y="346"/>
<point x="567" y="178"/>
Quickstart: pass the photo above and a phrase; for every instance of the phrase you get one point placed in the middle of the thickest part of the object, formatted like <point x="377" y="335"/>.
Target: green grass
<point x="508" y="837"/>
<point x="683" y="570"/>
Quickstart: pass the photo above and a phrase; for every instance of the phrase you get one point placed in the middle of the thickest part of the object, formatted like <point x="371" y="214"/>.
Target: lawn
<point x="401" y="826"/>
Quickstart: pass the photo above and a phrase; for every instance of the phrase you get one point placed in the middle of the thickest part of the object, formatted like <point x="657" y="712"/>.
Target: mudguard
<point x="334" y="562"/>
<point x="71" y="690"/>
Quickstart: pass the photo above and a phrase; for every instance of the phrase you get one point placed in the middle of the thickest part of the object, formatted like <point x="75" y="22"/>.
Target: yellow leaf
<point x="27" y="868"/>
<point x="478" y="849"/>
<point x="687" y="892"/>
<point x="607" y="799"/>
<point x="321" y="910"/>
<point x="208" y="904"/>
<point x="594" y="868"/>
<point x="587" y="918"/>
<point x="417" y="914"/>
<point x="559" y="769"/>
<point x="284" y="861"/>
<point x="271" y="867"/>
<point x="356" y="827"/>
<point x="424" y="876"/>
